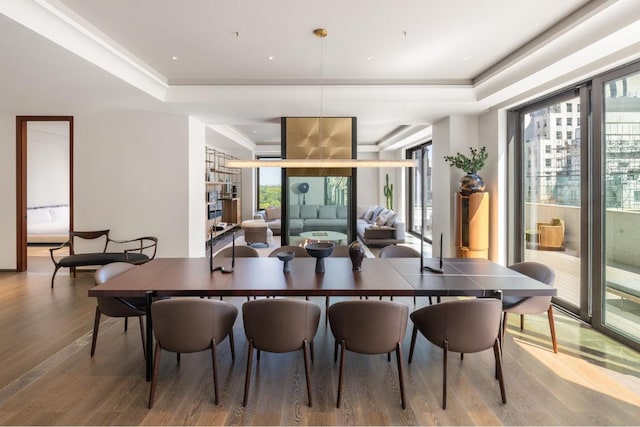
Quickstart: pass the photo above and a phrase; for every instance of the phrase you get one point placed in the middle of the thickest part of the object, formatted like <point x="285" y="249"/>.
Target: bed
<point x="48" y="224"/>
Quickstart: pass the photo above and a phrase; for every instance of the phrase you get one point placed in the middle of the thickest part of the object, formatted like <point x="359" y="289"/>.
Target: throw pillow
<point x="327" y="212"/>
<point x="377" y="211"/>
<point x="381" y="220"/>
<point x="368" y="215"/>
<point x="391" y="219"/>
<point x="273" y="213"/>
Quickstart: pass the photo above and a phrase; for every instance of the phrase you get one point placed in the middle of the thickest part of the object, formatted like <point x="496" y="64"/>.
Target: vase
<point x="356" y="253"/>
<point x="471" y="183"/>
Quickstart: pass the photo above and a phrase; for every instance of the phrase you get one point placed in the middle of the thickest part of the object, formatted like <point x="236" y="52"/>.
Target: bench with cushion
<point x="625" y="289"/>
<point x="135" y="251"/>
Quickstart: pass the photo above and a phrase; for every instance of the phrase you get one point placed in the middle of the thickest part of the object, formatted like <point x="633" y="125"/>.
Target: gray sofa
<point x="377" y="226"/>
<point x="307" y="218"/>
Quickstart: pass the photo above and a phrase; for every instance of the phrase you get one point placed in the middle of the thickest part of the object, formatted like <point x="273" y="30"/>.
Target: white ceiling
<point x="396" y="66"/>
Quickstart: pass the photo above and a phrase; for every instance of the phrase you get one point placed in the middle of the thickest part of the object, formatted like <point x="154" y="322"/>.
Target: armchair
<point x="551" y="234"/>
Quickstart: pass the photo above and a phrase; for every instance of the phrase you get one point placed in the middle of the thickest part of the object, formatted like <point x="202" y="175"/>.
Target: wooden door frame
<point x="21" y="181"/>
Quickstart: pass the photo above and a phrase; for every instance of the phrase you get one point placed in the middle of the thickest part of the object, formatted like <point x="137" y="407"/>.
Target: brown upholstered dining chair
<point x="299" y="251"/>
<point x="399" y="251"/>
<point x="532" y="305"/>
<point x="240" y="251"/>
<point x="116" y="307"/>
<point x="189" y="325"/>
<point x="463" y="326"/>
<point x="280" y="326"/>
<point x="368" y="327"/>
<point x="340" y="251"/>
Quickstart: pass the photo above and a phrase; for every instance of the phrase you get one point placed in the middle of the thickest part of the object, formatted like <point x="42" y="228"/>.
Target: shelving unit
<point x="223" y="187"/>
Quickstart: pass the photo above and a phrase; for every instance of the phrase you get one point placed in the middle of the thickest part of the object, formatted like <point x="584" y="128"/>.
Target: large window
<point x="269" y="185"/>
<point x="419" y="181"/>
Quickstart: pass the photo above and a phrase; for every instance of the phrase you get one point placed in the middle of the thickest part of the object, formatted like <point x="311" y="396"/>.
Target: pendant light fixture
<point x="321" y="163"/>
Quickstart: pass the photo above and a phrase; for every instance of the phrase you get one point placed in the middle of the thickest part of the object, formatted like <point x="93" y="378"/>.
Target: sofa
<point x="307" y="218"/>
<point x="378" y="226"/>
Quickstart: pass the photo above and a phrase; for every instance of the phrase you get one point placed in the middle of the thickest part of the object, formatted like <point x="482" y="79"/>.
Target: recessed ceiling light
<point x="175" y="58"/>
<point x="466" y="58"/>
<point x="369" y="58"/>
<point x="271" y="58"/>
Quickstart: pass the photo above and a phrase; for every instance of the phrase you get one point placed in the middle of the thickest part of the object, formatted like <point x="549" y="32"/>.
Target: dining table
<point x="264" y="276"/>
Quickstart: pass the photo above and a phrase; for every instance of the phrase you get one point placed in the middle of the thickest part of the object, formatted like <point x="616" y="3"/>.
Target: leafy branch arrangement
<point x="469" y="164"/>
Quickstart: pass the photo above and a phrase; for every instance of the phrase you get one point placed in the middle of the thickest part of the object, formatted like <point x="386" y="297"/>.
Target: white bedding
<point x="48" y="224"/>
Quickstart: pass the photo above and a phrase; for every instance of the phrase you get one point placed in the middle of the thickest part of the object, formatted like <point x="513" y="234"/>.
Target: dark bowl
<point x="285" y="255"/>
<point x="320" y="250"/>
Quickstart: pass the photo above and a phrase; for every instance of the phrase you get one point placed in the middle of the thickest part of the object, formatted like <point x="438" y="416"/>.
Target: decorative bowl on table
<point x="320" y="251"/>
<point x="286" y="256"/>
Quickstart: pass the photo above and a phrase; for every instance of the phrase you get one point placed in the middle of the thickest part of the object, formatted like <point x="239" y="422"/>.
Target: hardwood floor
<point x="48" y="377"/>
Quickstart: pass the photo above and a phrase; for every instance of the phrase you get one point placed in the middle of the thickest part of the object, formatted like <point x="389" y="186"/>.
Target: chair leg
<point x="414" y="300"/>
<point x="498" y="355"/>
<point x="232" y="345"/>
<point x="444" y="374"/>
<point x="552" y="326"/>
<point x="178" y="358"/>
<point x="144" y="350"/>
<point x="154" y="380"/>
<point x="311" y="350"/>
<point x="522" y="322"/>
<point x="400" y="373"/>
<point x="54" y="275"/>
<point x="96" y="325"/>
<point x="335" y="352"/>
<point x="215" y="371"/>
<point x="343" y="350"/>
<point x="326" y="310"/>
<point x="248" y="376"/>
<point x="258" y="355"/>
<point x="414" y="334"/>
<point x="126" y="324"/>
<point x="307" y="369"/>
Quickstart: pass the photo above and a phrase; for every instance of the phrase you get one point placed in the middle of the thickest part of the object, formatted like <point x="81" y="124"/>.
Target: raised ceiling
<point x="239" y="66"/>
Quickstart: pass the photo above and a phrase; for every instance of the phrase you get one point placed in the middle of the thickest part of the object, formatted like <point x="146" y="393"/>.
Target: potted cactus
<point x="388" y="192"/>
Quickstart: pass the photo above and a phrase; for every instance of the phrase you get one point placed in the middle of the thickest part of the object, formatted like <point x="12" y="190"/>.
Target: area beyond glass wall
<point x="621" y="216"/>
<point x="318" y="209"/>
<point x="551" y="192"/>
<point x="269" y="185"/>
<point x="421" y="174"/>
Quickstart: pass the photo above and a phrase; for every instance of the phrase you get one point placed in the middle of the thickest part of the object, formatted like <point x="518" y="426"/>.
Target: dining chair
<point x="190" y="325"/>
<point x="116" y="307"/>
<point x="532" y="305"/>
<point x="299" y="251"/>
<point x="399" y="251"/>
<point x="340" y="251"/>
<point x="368" y="327"/>
<point x="463" y="326"/>
<point x="280" y="326"/>
<point x="239" y="251"/>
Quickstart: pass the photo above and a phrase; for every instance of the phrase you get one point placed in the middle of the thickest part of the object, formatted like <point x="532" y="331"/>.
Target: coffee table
<point x="324" y="236"/>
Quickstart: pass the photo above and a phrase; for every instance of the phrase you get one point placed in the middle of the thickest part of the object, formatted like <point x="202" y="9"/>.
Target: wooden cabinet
<point x="231" y="211"/>
<point x="472" y="225"/>
<point x="223" y="187"/>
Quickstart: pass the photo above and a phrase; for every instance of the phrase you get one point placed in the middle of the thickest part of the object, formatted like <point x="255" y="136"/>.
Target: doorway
<point x="44" y="182"/>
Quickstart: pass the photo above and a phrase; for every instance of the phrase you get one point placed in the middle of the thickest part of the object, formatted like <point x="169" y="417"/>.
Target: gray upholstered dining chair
<point x="399" y="251"/>
<point x="280" y="326"/>
<point x="189" y="325"/>
<point x="368" y="327"/>
<point x="299" y="251"/>
<point x="532" y="305"/>
<point x="116" y="307"/>
<point x="463" y="326"/>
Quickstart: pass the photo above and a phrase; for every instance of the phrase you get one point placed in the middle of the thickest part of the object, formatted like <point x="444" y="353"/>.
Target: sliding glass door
<point x="620" y="142"/>
<point x="551" y="191"/>
<point x="420" y="174"/>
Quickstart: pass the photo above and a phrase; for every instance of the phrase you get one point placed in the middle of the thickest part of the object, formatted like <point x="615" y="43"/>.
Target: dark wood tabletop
<point x="264" y="277"/>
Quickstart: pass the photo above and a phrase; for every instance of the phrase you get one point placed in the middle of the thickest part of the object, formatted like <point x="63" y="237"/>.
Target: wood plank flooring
<point x="48" y="377"/>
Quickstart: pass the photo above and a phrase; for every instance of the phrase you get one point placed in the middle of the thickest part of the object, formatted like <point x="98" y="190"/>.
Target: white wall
<point x="131" y="175"/>
<point x="47" y="163"/>
<point x="197" y="189"/>
<point x="7" y="191"/>
<point x="369" y="191"/>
